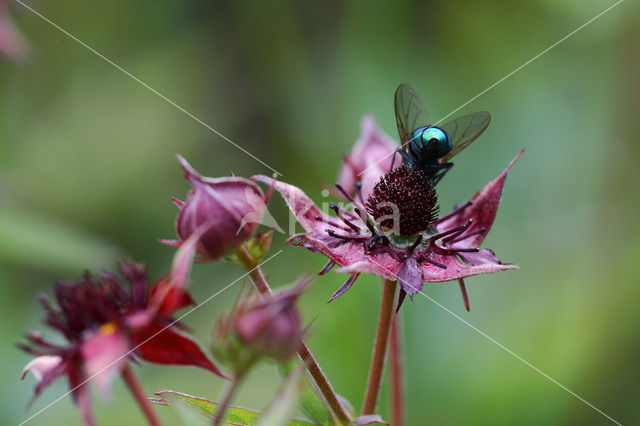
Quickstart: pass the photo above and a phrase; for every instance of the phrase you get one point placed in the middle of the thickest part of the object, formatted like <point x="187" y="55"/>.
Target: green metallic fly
<point x="428" y="147"/>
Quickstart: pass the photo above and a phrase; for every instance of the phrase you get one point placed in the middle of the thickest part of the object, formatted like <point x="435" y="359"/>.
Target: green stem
<point x="226" y="399"/>
<point x="380" y="348"/>
<point x="330" y="396"/>
<point x="397" y="373"/>
<point x="138" y="393"/>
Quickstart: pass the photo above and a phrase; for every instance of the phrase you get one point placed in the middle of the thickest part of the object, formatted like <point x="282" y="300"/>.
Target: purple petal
<point x="410" y="277"/>
<point x="346" y="286"/>
<point x="482" y="211"/>
<point x="300" y="205"/>
<point x="327" y="267"/>
<point x="481" y="257"/>
<point x="456" y="269"/>
<point x="370" y="266"/>
<point x="369" y="159"/>
<point x="368" y="419"/>
<point x="465" y="297"/>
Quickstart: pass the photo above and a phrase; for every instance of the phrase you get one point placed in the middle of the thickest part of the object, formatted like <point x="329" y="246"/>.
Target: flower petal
<point x="171" y="297"/>
<point x="481" y="257"/>
<point x="168" y="346"/>
<point x="343" y="255"/>
<point x="370" y="267"/>
<point x="104" y="354"/>
<point x="369" y="159"/>
<point x="481" y="211"/>
<point x="456" y="269"/>
<point x="344" y="287"/>
<point x="410" y="277"/>
<point x="41" y="365"/>
<point x="299" y="203"/>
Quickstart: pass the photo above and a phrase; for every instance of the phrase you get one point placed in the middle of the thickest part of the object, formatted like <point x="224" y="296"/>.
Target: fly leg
<point x="443" y="169"/>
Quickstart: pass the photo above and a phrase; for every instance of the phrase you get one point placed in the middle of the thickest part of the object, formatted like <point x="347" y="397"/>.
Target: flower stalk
<point x="380" y="348"/>
<point x="261" y="285"/>
<point x="229" y="392"/>
<point x="138" y="393"/>
<point x="397" y="373"/>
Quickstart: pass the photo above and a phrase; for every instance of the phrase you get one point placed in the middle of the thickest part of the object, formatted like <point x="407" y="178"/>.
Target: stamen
<point x="456" y="211"/>
<point x="415" y="244"/>
<point x="433" y="262"/>
<point x="38" y="339"/>
<point x="365" y="219"/>
<point x="462" y="238"/>
<point x="358" y="186"/>
<point x="463" y="250"/>
<point x="455" y="230"/>
<point x="329" y="222"/>
<point x="345" y="193"/>
<point x="336" y="208"/>
<point x="332" y="233"/>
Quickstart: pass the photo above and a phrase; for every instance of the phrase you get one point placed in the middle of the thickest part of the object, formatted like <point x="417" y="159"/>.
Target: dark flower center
<point x="404" y="201"/>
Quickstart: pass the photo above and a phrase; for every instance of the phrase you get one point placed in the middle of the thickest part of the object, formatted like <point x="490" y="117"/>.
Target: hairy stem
<point x="397" y="373"/>
<point x="380" y="348"/>
<point x="138" y="393"/>
<point x="230" y="390"/>
<point x="330" y="396"/>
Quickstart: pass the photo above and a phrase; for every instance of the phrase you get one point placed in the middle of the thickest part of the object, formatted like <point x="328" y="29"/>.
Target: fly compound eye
<point x="436" y="137"/>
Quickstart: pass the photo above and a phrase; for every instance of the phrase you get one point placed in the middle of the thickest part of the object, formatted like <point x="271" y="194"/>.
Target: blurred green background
<point x="87" y="170"/>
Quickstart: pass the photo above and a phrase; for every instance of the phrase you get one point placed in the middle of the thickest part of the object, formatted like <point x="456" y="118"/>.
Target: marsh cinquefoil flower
<point x="106" y="324"/>
<point x="396" y="234"/>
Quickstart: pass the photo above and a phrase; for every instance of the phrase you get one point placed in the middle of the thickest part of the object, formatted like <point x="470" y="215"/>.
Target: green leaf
<point x="235" y="415"/>
<point x="310" y="403"/>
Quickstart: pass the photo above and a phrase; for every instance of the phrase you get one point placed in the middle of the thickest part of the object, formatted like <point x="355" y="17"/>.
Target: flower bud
<point x="257" y="328"/>
<point x="224" y="211"/>
<point x="273" y="328"/>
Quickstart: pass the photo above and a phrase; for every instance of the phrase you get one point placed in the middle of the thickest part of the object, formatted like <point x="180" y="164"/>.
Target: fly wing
<point x="410" y="112"/>
<point x="464" y="130"/>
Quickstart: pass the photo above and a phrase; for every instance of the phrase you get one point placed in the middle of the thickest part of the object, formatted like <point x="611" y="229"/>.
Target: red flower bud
<point x="256" y="328"/>
<point x="273" y="328"/>
<point x="225" y="211"/>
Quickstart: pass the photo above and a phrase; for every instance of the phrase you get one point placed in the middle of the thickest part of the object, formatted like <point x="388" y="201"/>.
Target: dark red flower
<point x="222" y="212"/>
<point x="444" y="249"/>
<point x="105" y="324"/>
